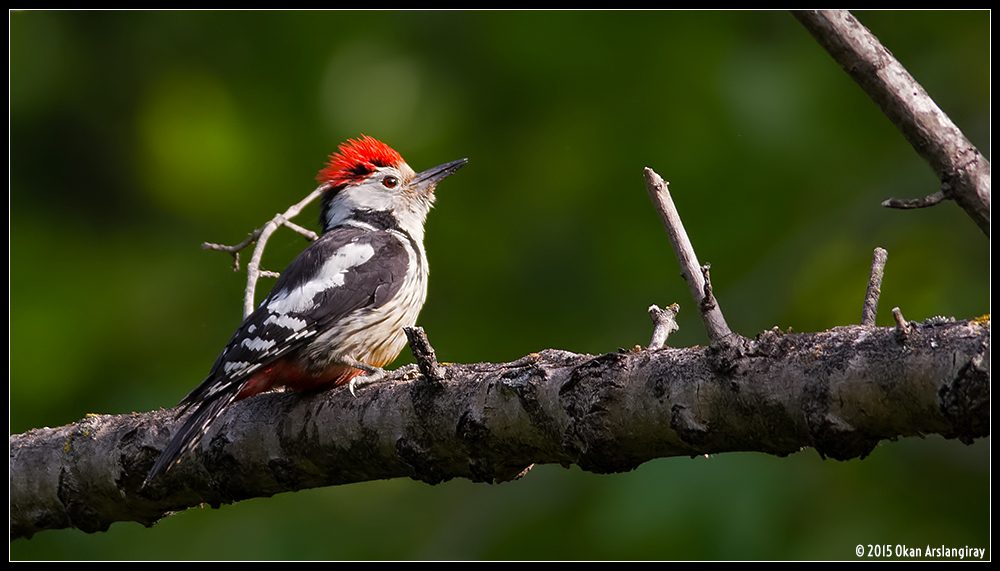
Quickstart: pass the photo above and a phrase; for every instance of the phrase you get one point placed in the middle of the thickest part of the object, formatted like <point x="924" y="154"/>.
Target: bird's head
<point x="367" y="180"/>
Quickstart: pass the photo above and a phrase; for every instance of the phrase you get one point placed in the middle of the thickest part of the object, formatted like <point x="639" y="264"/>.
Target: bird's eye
<point x="390" y="182"/>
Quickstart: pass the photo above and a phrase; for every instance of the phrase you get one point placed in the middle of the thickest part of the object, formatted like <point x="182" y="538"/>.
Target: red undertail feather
<point x="283" y="373"/>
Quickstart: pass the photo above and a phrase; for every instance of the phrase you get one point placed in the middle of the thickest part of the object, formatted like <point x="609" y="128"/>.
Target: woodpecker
<point x="339" y="309"/>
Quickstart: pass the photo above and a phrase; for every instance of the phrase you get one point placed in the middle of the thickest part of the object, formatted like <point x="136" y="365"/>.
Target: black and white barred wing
<point x="345" y="270"/>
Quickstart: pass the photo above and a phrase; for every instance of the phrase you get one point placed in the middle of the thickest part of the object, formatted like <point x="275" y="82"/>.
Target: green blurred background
<point x="135" y="136"/>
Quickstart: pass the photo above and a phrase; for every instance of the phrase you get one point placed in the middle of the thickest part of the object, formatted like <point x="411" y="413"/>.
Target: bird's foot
<point x="366" y="379"/>
<point x="375" y="374"/>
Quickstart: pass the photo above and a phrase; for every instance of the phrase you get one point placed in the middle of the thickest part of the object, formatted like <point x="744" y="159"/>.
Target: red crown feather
<point x="356" y="159"/>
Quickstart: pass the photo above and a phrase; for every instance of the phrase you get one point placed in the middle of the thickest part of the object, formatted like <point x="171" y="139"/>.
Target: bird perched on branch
<point x="338" y="310"/>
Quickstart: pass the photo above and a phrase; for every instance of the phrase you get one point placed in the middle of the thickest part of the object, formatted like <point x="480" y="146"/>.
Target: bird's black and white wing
<point x="346" y="270"/>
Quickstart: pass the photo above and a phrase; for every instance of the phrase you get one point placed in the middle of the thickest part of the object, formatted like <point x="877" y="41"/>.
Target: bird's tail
<point x="192" y="430"/>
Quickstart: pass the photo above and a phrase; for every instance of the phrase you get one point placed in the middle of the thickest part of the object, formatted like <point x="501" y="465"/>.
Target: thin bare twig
<point x="309" y="234"/>
<point x="913" y="203"/>
<point x="234" y="250"/>
<point x="870" y="308"/>
<point x="694" y="275"/>
<point x="260" y="237"/>
<point x="253" y="268"/>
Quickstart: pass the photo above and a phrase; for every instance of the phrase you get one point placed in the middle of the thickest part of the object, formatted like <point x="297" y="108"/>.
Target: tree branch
<point x="839" y="391"/>
<point x="962" y="169"/>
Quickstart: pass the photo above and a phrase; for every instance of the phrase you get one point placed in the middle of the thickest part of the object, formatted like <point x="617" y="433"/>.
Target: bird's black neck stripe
<point x="384" y="221"/>
<point x="378" y="219"/>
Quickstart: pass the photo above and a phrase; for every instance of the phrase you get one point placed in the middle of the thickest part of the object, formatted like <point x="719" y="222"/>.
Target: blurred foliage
<point x="135" y="136"/>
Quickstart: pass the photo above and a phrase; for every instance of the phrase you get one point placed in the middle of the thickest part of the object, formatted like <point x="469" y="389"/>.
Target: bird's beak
<point x="426" y="181"/>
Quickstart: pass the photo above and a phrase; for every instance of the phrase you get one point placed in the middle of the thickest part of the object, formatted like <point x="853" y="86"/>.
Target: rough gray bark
<point x="839" y="391"/>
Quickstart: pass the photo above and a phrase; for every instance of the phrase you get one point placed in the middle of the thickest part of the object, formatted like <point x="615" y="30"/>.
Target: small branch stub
<point x="902" y="326"/>
<point x="709" y="301"/>
<point x="664" y="323"/>
<point x="870" y="308"/>
<point x="423" y="352"/>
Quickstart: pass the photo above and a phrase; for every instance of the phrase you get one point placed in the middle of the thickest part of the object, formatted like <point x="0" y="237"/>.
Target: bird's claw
<point x="366" y="379"/>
